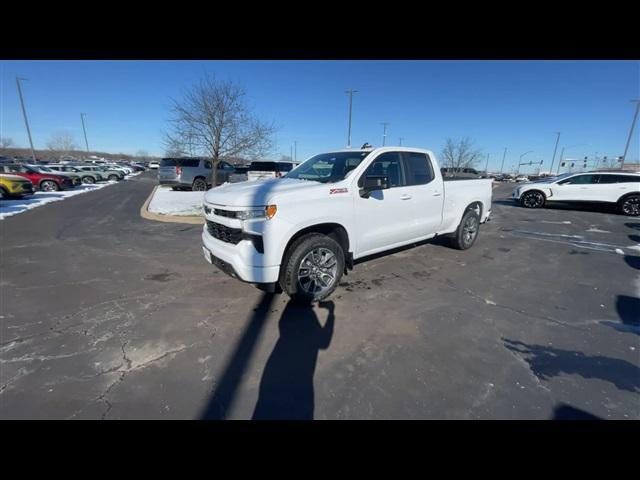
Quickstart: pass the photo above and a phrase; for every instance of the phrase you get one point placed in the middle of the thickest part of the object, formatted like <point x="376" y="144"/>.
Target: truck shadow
<point x="567" y="412"/>
<point x="546" y="362"/>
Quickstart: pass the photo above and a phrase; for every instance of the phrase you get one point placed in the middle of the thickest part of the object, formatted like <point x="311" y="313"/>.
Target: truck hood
<point x="257" y="193"/>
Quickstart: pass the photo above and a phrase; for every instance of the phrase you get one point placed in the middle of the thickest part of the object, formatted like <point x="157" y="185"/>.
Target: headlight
<point x="267" y="212"/>
<point x="249" y="214"/>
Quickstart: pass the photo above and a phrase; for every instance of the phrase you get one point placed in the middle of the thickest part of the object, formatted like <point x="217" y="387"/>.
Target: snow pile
<point x="166" y="201"/>
<point x="14" y="207"/>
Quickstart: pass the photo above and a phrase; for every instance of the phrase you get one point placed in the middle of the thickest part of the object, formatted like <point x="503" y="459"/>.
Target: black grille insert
<point x="224" y="233"/>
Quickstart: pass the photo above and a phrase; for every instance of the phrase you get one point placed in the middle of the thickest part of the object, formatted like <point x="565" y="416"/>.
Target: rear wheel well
<point x="476" y="206"/>
<point x="333" y="230"/>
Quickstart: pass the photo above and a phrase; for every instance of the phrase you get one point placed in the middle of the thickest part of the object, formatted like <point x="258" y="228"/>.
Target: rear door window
<point x="192" y="163"/>
<point x="417" y="168"/>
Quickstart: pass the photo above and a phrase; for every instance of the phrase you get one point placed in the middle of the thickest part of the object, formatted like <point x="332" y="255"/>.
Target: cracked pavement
<point x="105" y="315"/>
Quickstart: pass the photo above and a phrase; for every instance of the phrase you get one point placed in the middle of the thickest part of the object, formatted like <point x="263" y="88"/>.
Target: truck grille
<point x="224" y="233"/>
<point x="225" y="213"/>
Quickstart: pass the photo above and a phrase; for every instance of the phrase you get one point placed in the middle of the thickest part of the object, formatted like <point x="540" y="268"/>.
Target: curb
<point x="145" y="213"/>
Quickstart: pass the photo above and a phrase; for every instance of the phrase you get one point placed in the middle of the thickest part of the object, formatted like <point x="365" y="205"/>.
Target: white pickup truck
<point x="300" y="233"/>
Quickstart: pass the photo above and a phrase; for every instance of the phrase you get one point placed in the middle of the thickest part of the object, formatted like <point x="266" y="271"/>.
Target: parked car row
<point x="20" y="179"/>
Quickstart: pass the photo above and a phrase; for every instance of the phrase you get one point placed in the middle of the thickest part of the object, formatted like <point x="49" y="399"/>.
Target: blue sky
<point x="518" y="105"/>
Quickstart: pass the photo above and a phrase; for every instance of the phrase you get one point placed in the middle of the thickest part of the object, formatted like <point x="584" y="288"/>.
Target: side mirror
<point x="373" y="183"/>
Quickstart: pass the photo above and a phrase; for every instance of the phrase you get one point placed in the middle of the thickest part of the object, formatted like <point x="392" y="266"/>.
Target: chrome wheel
<point x="631" y="206"/>
<point x="469" y="230"/>
<point x="318" y="270"/>
<point x="48" y="186"/>
<point x="533" y="199"/>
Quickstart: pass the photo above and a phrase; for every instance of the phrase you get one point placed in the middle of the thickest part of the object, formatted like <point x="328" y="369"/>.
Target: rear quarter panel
<point x="458" y="195"/>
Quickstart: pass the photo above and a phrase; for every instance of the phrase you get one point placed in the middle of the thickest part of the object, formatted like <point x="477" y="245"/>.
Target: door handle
<point x="437" y="194"/>
<point x="405" y="197"/>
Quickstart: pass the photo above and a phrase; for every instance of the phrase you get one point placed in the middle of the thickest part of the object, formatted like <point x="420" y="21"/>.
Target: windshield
<point x="328" y="167"/>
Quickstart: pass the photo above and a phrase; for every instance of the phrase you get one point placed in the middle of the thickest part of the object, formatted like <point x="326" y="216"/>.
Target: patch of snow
<point x="597" y="230"/>
<point x="619" y="251"/>
<point x="166" y="201"/>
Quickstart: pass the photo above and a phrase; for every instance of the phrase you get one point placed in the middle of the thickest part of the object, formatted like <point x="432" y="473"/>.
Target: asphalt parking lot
<point x="108" y="315"/>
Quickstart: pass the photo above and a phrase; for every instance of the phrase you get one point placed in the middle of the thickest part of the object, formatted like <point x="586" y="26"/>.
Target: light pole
<point x="633" y="124"/>
<point x="486" y="167"/>
<point x="554" y="152"/>
<point x="295" y="150"/>
<point x="350" y="92"/>
<point x="503" y="157"/>
<point x="24" y="114"/>
<point x="384" y="133"/>
<point x="85" y="131"/>
<point x="520" y="161"/>
<point x="400" y="141"/>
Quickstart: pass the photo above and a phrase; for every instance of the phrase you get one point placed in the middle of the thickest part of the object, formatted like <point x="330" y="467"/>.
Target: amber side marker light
<point x="270" y="211"/>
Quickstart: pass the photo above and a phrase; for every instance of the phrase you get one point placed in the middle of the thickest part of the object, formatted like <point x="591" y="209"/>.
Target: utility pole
<point x="400" y="141"/>
<point x="26" y="121"/>
<point x="560" y="160"/>
<point x="384" y="133"/>
<point x="295" y="150"/>
<point x="633" y="124"/>
<point x="503" y="157"/>
<point x="350" y="92"/>
<point x="554" y="152"/>
<point x="486" y="167"/>
<point x="85" y="131"/>
<point x="291" y="152"/>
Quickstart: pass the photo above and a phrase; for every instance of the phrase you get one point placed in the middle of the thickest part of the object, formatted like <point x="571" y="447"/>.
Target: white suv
<point x="621" y="188"/>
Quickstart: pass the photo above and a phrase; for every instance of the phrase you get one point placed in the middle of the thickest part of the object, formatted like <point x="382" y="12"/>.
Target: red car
<point x="47" y="182"/>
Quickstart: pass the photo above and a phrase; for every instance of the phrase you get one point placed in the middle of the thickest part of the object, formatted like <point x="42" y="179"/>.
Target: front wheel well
<point x="333" y="230"/>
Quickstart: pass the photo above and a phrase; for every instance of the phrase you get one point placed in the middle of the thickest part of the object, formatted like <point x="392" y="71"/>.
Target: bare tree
<point x="61" y="144"/>
<point x="176" y="148"/>
<point x="460" y="153"/>
<point x="213" y="119"/>
<point x="5" y="142"/>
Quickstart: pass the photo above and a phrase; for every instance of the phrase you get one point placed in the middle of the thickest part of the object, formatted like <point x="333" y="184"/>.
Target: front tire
<point x="532" y="199"/>
<point x="88" y="180"/>
<point x="114" y="178"/>
<point x="313" y="267"/>
<point x="630" y="206"/>
<point x="467" y="231"/>
<point x="49" y="186"/>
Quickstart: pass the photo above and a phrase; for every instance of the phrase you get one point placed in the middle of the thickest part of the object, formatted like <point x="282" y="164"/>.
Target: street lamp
<point x="350" y="92"/>
<point x="520" y="161"/>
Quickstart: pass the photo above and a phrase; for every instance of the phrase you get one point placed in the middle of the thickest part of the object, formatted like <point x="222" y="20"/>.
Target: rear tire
<point x="312" y="268"/>
<point x="88" y="180"/>
<point x="630" y="205"/>
<point x="114" y="178"/>
<point x="467" y="231"/>
<point x="532" y="199"/>
<point x="199" y="185"/>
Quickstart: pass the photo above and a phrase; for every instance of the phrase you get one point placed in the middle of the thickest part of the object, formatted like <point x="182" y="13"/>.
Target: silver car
<point x="192" y="173"/>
